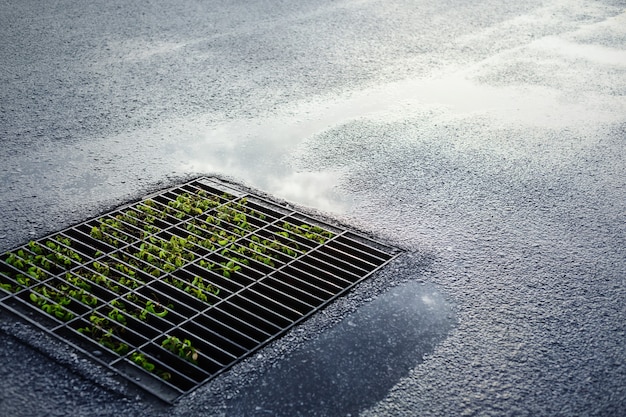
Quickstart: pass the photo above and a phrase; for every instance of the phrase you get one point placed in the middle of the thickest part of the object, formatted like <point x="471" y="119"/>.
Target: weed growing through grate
<point x="182" y="348"/>
<point x="37" y="262"/>
<point x="153" y="308"/>
<point x="105" y="333"/>
<point x="52" y="302"/>
<point x="195" y="204"/>
<point x="313" y="233"/>
<point x="8" y="287"/>
<point x="113" y="275"/>
<point x="197" y="287"/>
<point x="30" y="270"/>
<point x="178" y="244"/>
<point x="55" y="252"/>
<point x="144" y="362"/>
<point x="166" y="256"/>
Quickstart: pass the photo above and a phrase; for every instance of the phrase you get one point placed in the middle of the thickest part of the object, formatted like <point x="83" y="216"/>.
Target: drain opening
<point x="174" y="289"/>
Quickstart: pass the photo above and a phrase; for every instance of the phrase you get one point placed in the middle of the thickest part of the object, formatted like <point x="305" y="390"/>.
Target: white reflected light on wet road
<point x="264" y="152"/>
<point x="258" y="153"/>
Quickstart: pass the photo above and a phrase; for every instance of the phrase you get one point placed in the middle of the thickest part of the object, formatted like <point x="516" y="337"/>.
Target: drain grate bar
<point x="172" y="290"/>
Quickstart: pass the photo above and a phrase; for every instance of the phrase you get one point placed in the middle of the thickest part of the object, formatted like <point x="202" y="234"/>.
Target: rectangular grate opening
<point x="172" y="290"/>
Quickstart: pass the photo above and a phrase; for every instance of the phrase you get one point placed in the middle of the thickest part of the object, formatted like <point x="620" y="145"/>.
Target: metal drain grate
<point x="172" y="290"/>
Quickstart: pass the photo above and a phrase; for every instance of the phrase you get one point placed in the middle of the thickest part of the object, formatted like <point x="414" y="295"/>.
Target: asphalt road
<point x="485" y="138"/>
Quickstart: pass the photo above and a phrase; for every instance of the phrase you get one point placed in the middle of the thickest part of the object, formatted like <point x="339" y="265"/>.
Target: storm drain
<point x="172" y="290"/>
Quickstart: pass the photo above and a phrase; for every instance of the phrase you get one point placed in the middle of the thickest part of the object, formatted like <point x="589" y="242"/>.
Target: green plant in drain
<point x="182" y="348"/>
<point x="165" y="255"/>
<point x="237" y="221"/>
<point x="259" y="253"/>
<point x="234" y="210"/>
<point x="103" y="234"/>
<point x="81" y="294"/>
<point x="140" y="219"/>
<point x="52" y="302"/>
<point x="10" y="288"/>
<point x="253" y="251"/>
<point x="100" y="277"/>
<point x="149" y="208"/>
<point x="104" y="333"/>
<point x="77" y="281"/>
<point x="229" y="268"/>
<point x="197" y="287"/>
<point x="116" y="312"/>
<point x="258" y="244"/>
<point x="84" y="297"/>
<point x="18" y="259"/>
<point x="218" y="237"/>
<point x="156" y="308"/>
<point x="35" y="258"/>
<point x="55" y="251"/>
<point x="111" y="274"/>
<point x="154" y="268"/>
<point x="193" y="238"/>
<point x="142" y="360"/>
<point x="179" y="249"/>
<point x="313" y="233"/>
<point x="23" y="280"/>
<point x="113" y="230"/>
<point x="152" y="308"/>
<point x="126" y="222"/>
<point x="31" y="266"/>
<point x="129" y="279"/>
<point x="193" y="204"/>
<point x="208" y="235"/>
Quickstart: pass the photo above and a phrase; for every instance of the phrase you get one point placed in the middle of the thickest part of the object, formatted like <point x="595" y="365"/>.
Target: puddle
<point x="356" y="363"/>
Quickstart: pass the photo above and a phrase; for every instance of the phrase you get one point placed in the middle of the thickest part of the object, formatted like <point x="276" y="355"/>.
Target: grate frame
<point x="174" y="289"/>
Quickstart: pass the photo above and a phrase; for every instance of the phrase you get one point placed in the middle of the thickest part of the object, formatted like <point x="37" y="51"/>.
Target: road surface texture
<point x="485" y="138"/>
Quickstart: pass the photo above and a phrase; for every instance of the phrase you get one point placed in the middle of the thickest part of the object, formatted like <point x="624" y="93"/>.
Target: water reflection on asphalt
<point x="264" y="152"/>
<point x="357" y="362"/>
<point x="261" y="153"/>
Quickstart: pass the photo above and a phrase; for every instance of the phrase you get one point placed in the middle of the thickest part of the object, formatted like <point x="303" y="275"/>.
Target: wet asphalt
<point x="485" y="139"/>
